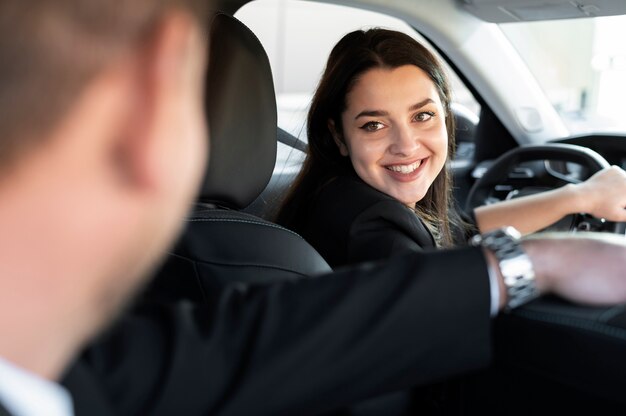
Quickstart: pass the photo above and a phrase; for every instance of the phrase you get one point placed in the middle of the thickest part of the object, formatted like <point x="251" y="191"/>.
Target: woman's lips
<point x="406" y="172"/>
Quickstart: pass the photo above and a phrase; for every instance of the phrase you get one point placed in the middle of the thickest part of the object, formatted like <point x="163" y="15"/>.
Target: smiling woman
<point x="376" y="181"/>
<point x="380" y="131"/>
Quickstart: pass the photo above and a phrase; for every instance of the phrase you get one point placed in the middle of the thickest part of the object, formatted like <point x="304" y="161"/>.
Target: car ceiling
<point x="502" y="11"/>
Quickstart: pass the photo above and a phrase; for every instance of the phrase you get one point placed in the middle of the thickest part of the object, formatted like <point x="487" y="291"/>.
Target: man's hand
<point x="586" y="268"/>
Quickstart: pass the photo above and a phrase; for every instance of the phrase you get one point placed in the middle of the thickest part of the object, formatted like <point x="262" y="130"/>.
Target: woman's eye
<point x="424" y="116"/>
<point x="372" y="126"/>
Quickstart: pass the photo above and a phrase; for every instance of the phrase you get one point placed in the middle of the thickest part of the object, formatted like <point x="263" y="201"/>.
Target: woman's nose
<point x="405" y="141"/>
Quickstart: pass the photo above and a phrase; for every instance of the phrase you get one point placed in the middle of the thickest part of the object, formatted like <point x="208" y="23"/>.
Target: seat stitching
<point x="278" y="227"/>
<point x="263" y="266"/>
<point x="611" y="313"/>
<point x="198" y="280"/>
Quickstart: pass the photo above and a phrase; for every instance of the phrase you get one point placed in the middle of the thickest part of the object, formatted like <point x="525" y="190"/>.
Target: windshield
<point x="581" y="66"/>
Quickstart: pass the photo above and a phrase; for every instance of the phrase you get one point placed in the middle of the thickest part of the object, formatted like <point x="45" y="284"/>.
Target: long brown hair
<point x="356" y="53"/>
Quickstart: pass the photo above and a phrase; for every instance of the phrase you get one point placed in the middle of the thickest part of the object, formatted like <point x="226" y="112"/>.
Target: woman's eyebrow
<point x="371" y="113"/>
<point x="381" y="113"/>
<point x="421" y="104"/>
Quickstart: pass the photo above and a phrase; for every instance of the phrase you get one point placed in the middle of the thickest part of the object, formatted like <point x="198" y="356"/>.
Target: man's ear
<point x="141" y="153"/>
<point x="343" y="149"/>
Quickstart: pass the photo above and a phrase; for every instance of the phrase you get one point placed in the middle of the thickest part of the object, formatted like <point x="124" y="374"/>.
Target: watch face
<point x="505" y="232"/>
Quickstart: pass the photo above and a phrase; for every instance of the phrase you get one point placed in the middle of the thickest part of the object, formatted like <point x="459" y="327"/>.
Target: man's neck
<point x="35" y="345"/>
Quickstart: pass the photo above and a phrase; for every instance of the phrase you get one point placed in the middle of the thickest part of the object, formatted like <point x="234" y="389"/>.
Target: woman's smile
<point x="406" y="172"/>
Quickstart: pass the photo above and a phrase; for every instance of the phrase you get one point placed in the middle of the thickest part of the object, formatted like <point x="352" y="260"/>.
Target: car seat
<point x="222" y="245"/>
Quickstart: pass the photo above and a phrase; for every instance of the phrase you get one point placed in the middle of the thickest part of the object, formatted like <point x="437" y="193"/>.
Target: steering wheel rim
<point x="503" y="165"/>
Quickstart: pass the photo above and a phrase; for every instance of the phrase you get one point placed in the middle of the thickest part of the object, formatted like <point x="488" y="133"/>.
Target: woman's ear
<point x="343" y="149"/>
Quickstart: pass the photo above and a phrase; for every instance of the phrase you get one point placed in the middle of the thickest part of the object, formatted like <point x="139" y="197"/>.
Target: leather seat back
<point x="222" y="245"/>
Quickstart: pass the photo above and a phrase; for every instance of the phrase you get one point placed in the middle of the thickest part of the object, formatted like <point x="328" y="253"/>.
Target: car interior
<point x="548" y="351"/>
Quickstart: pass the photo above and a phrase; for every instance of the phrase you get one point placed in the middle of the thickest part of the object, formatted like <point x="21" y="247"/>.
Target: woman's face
<point x="394" y="131"/>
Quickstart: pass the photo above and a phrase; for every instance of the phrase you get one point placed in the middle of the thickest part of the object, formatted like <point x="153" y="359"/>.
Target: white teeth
<point x="405" y="168"/>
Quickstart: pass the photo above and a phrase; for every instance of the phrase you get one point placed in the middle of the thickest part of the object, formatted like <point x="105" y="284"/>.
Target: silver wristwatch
<point x="515" y="266"/>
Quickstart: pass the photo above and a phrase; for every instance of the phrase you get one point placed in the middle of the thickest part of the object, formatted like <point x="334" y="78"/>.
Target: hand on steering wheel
<point x="603" y="195"/>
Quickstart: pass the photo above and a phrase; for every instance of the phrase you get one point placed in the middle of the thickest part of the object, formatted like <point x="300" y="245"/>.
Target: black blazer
<point x="350" y="222"/>
<point x="298" y="347"/>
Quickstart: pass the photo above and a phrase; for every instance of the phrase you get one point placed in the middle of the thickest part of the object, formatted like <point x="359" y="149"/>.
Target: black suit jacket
<point x="350" y="222"/>
<point x="298" y="347"/>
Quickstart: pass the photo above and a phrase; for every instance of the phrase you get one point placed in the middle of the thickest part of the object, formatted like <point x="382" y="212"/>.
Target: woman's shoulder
<point x="341" y="201"/>
<point x="350" y="193"/>
<point x="349" y="220"/>
<point x="347" y="203"/>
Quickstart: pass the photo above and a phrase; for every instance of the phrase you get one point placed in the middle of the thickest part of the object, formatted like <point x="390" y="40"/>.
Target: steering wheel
<point x="498" y="172"/>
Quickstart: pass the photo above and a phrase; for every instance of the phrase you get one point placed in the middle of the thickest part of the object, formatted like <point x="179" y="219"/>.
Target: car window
<point x="298" y="37"/>
<point x="581" y="67"/>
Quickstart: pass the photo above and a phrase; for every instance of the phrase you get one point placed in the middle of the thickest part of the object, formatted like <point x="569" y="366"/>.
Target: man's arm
<point x="324" y="342"/>
<point x="305" y="346"/>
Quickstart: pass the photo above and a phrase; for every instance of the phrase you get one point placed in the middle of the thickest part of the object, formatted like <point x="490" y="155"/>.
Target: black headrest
<point x="241" y="110"/>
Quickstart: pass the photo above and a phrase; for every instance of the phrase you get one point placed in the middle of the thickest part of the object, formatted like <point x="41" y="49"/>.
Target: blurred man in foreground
<point x="103" y="147"/>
